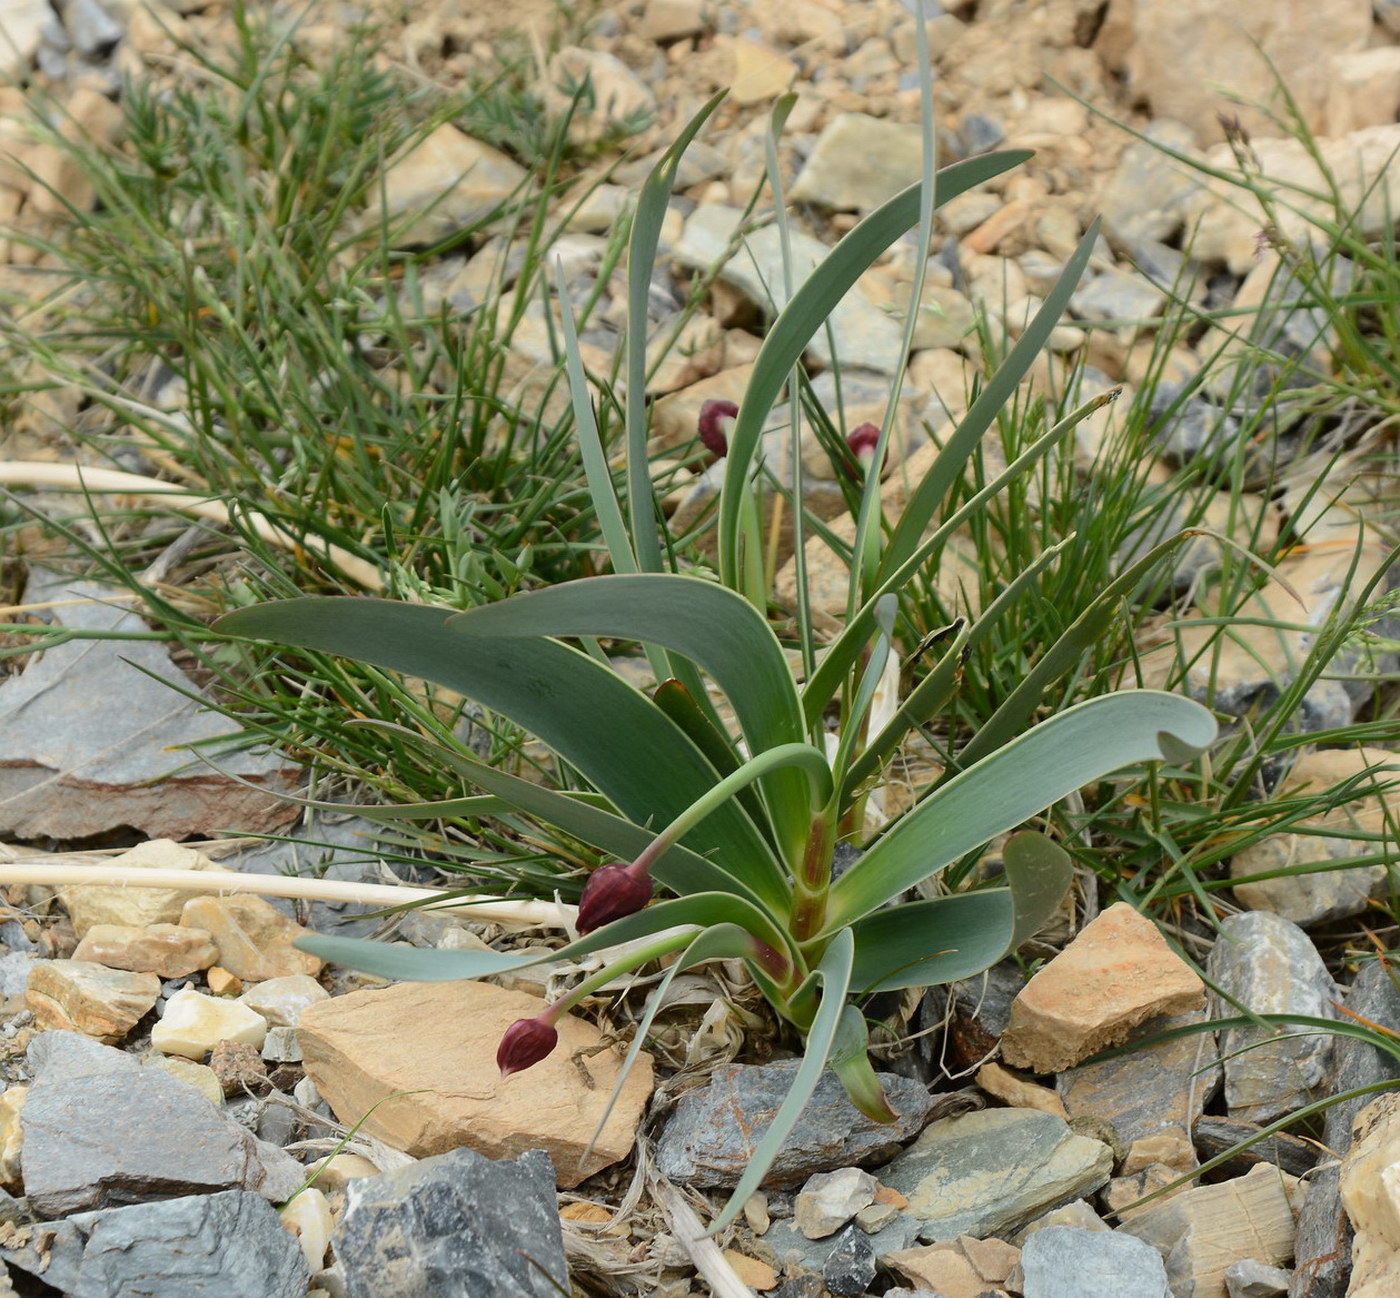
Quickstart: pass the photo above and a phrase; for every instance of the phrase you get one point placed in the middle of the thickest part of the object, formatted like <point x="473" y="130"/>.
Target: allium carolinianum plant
<point x="741" y="866"/>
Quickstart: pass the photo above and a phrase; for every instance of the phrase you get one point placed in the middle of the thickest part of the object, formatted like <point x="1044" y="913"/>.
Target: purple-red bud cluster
<point x="711" y="428"/>
<point x="611" y="892"/>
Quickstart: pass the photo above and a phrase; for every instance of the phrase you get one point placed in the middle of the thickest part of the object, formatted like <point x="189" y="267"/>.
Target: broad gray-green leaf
<point x="578" y="814"/>
<point x="621" y="743"/>
<point x="927" y="943"/>
<point x="834" y="974"/>
<point x="804" y="315"/>
<point x="719" y="631"/>
<point x="850" y="1061"/>
<point x="1039" y="872"/>
<point x="704" y="910"/>
<point x="1066" y="752"/>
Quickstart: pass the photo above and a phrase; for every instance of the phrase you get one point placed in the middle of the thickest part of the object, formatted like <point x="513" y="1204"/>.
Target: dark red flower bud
<point x="863" y="440"/>
<point x="710" y="427"/>
<point x="524" y="1044"/>
<point x="611" y="892"/>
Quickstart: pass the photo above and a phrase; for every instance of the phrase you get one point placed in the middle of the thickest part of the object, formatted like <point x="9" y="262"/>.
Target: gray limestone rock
<point x="1062" y="1262"/>
<point x="1191" y="426"/>
<point x="784" y="1238"/>
<point x="96" y="739"/>
<point x="21" y="30"/>
<point x="1270" y="966"/>
<point x="858" y="162"/>
<point x="1150" y="193"/>
<point x="1215" y="1135"/>
<point x="711" y="1137"/>
<point x="102" y="1131"/>
<point x="992" y="1172"/>
<point x="1156" y="1090"/>
<point x="454" y="1226"/>
<point x="94" y="31"/>
<point x="1251" y="1279"/>
<point x="325" y="845"/>
<point x="226" y="1245"/>
<point x="1116" y="296"/>
<point x="850" y="1266"/>
<point x="830" y="1199"/>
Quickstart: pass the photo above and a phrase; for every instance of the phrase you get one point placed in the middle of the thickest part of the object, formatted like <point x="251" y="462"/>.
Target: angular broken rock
<point x="992" y="1172"/>
<point x="1370" y="1190"/>
<point x="1201" y="1231"/>
<point x="1062" y="1262"/>
<point x="1151" y="1094"/>
<point x="100" y="1130"/>
<point x="858" y="162"/>
<point x="254" y="938"/>
<point x="166" y="950"/>
<point x="455" y="1226"/>
<point x="230" y="1244"/>
<point x="441" y="185"/>
<point x="959" y="1268"/>
<point x="1270" y="966"/>
<point x="830" y="1199"/>
<point x="710" y="1139"/>
<point x="1117" y="973"/>
<point x="1323" y="1249"/>
<point x="864" y="335"/>
<point x="435" y="1045"/>
<point x="97" y="740"/>
<point x="78" y="996"/>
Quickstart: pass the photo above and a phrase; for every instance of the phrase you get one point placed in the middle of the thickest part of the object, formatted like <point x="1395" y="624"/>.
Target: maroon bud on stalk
<point x="864" y="440"/>
<point x="611" y="892"/>
<point x="524" y="1044"/>
<point x="710" y="427"/>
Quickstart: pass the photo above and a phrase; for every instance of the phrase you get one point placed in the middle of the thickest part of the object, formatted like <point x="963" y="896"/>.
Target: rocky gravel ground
<point x="192" y="1105"/>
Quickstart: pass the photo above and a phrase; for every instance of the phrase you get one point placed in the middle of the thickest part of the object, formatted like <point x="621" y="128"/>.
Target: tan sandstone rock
<point x="432" y="1047"/>
<point x="254" y="938"/>
<point x="78" y="996"/>
<point x="167" y="950"/>
<point x="90" y="904"/>
<point x="1116" y="974"/>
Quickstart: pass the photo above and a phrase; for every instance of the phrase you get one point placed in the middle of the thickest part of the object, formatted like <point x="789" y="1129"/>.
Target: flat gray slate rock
<point x="102" y="1131"/>
<point x="228" y="1245"/>
<point x="711" y="1137"/>
<point x="992" y="1172"/>
<point x="458" y="1225"/>
<point x="1270" y="966"/>
<point x="95" y="740"/>
<point x="1062" y="1262"/>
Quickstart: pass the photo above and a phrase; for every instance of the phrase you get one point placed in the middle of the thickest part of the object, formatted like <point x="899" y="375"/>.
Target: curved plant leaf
<point x="715" y="628"/>
<point x="1064" y="753"/>
<point x="703" y="910"/>
<point x="850" y="1061"/>
<point x="616" y="737"/>
<point x="834" y="975"/>
<point x="579" y="814"/>
<point x="945" y="939"/>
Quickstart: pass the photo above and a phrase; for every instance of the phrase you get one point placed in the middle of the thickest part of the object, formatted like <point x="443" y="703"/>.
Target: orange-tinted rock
<point x="254" y="938"/>
<point x="166" y="950"/>
<point x="432" y="1046"/>
<point x="77" y="996"/>
<point x="1117" y="973"/>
